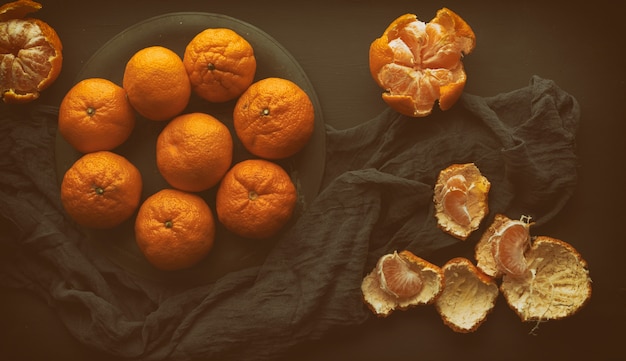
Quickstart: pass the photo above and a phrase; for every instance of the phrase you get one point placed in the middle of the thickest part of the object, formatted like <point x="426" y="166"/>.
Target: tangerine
<point x="30" y="53"/>
<point x="460" y="197"/>
<point x="101" y="190"/>
<point x="95" y="115"/>
<point x="194" y="151"/>
<point x="174" y="229"/>
<point x="220" y="64"/>
<point x="418" y="63"/>
<point x="274" y="118"/>
<point x="156" y="82"/>
<point x="255" y="199"/>
<point x="399" y="281"/>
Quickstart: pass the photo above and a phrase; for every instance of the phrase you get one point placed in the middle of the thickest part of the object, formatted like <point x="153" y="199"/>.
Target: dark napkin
<point x="376" y="197"/>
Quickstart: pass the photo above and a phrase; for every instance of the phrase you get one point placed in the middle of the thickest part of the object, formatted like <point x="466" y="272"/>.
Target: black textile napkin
<point x="376" y="197"/>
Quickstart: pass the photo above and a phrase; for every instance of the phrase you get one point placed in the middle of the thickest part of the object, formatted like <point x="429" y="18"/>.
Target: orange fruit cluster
<point x="175" y="228"/>
<point x="30" y="53"/>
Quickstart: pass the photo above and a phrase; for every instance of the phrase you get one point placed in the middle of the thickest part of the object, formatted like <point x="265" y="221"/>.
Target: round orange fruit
<point x="274" y="118"/>
<point x="30" y="53"/>
<point x="101" y="190"/>
<point x="194" y="151"/>
<point x="157" y="84"/>
<point x="96" y="115"/>
<point x="418" y="63"/>
<point x="220" y="64"/>
<point x="174" y="229"/>
<point x="255" y="199"/>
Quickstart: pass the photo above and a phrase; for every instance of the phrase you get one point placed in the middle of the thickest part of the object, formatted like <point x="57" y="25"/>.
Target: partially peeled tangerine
<point x="460" y="197"/>
<point x="400" y="281"/>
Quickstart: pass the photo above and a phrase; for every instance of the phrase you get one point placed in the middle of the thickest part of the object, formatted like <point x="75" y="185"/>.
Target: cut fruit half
<point x="460" y="198"/>
<point x="418" y="63"/>
<point x="556" y="286"/>
<point x="468" y="296"/>
<point x="399" y="281"/>
<point x="500" y="251"/>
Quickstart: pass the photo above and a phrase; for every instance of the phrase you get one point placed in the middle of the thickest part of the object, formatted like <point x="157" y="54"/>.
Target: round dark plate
<point x="174" y="31"/>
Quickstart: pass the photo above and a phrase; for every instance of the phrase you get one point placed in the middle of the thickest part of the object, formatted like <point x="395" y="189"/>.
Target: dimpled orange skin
<point x="39" y="59"/>
<point x="101" y="190"/>
<point x="157" y="84"/>
<point x="194" y="151"/>
<point x="95" y="115"/>
<point x="255" y="199"/>
<point x="220" y="64"/>
<point x="174" y="229"/>
<point x="274" y="118"/>
<point x="437" y="69"/>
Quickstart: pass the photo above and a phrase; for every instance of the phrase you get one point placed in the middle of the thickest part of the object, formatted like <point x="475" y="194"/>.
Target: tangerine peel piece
<point x="468" y="296"/>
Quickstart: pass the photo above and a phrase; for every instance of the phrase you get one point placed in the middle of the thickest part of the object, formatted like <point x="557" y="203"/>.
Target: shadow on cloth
<point x="376" y="197"/>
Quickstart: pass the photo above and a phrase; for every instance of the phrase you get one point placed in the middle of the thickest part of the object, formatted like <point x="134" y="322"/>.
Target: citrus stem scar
<point x="252" y="195"/>
<point x="210" y="66"/>
<point x="99" y="190"/>
<point x="91" y="111"/>
<point x="169" y="224"/>
<point x="265" y="112"/>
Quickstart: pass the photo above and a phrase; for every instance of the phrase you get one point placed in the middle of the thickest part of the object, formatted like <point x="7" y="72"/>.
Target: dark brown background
<point x="579" y="46"/>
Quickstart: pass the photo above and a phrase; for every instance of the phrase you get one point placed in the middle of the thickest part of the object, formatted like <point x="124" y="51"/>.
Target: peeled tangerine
<point x="418" y="63"/>
<point x="468" y="296"/>
<point x="461" y="199"/>
<point x="399" y="281"/>
<point x="30" y="53"/>
<point x="556" y="286"/>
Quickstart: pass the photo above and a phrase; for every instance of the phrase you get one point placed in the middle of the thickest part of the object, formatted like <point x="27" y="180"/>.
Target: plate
<point x="174" y="31"/>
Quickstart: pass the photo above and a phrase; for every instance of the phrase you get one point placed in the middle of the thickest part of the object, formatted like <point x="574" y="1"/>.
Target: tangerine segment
<point x="174" y="229"/>
<point x="274" y="118"/>
<point x="255" y="199"/>
<point x="220" y="64"/>
<point x="30" y="53"/>
<point x="461" y="199"/>
<point x="398" y="277"/>
<point x="419" y="63"/>
<point x="400" y="281"/>
<point x="501" y="249"/>
<point x="101" y="190"/>
<point x="194" y="151"/>
<point x="95" y="115"/>
<point x="468" y="296"/>
<point x="508" y="249"/>
<point x="558" y="283"/>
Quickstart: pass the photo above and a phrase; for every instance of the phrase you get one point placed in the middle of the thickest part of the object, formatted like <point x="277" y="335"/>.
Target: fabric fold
<point x="375" y="198"/>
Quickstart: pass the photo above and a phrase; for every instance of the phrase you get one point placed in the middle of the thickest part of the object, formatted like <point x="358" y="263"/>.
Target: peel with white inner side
<point x="468" y="296"/>
<point x="556" y="286"/>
